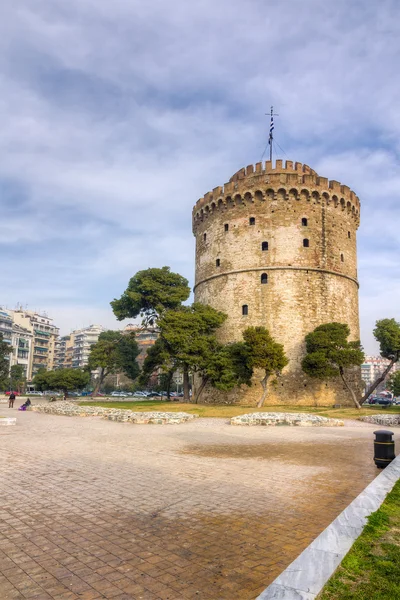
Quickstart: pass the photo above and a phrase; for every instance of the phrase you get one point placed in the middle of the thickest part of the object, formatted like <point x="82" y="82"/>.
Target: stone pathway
<point x="95" y="509"/>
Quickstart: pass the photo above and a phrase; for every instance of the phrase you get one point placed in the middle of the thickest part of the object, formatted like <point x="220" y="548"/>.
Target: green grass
<point x="371" y="570"/>
<point x="224" y="411"/>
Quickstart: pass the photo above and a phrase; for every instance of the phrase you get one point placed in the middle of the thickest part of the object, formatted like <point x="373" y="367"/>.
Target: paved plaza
<point x="94" y="509"/>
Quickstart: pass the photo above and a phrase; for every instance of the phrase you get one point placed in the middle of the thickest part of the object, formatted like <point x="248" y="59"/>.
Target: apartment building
<point x="83" y="341"/>
<point x="20" y="339"/>
<point x="44" y="334"/>
<point x="64" y="352"/>
<point x="373" y="367"/>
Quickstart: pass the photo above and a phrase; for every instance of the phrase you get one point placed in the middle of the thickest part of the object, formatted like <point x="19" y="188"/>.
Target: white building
<point x="373" y="367"/>
<point x="83" y="341"/>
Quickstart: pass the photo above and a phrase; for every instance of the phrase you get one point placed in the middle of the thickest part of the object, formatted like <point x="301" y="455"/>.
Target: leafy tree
<point x="158" y="357"/>
<point x="387" y="333"/>
<point x="264" y="353"/>
<point x="5" y="350"/>
<point x="114" y="352"/>
<point x="227" y="367"/>
<point x="394" y="383"/>
<point x="17" y="377"/>
<point x="188" y="335"/>
<point x="150" y="293"/>
<point x="62" y="379"/>
<point x="329" y="353"/>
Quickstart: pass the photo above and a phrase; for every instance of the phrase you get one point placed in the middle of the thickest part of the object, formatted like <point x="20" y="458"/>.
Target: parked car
<point x="15" y="393"/>
<point x="119" y="395"/>
<point x="92" y="394"/>
<point x="34" y="393"/>
<point x="154" y="395"/>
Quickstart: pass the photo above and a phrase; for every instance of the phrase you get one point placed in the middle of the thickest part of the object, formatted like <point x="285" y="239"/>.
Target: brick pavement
<point x="92" y="509"/>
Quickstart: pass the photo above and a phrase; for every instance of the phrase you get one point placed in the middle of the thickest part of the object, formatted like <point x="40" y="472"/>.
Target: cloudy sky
<point x="115" y="117"/>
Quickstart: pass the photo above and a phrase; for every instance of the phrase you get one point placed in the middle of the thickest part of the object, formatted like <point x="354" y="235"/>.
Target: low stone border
<point x="5" y="421"/>
<point x="307" y="575"/>
<point x="382" y="419"/>
<point x="113" y="414"/>
<point x="293" y="419"/>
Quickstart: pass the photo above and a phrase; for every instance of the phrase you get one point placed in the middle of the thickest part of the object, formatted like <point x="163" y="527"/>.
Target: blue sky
<point x="117" y="116"/>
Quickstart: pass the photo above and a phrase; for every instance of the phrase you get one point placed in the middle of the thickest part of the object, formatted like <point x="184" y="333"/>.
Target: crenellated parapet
<point x="263" y="183"/>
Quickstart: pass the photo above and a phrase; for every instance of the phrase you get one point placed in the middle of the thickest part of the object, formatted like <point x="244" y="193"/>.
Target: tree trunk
<point x="186" y="396"/>
<point x="353" y="396"/>
<point x="377" y="381"/>
<point x="99" y="383"/>
<point x="169" y="380"/>
<point x="264" y="383"/>
<point x="201" y="388"/>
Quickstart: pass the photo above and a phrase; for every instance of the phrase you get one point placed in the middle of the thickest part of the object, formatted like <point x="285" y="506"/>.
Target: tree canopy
<point x="394" y="383"/>
<point x="150" y="293"/>
<point x="114" y="352"/>
<point x="17" y="377"/>
<point x="329" y="353"/>
<point x="387" y="333"/>
<point x="263" y="352"/>
<point x="67" y="380"/>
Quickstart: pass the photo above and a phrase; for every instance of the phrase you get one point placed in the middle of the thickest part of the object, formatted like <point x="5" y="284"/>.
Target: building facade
<point x="372" y="368"/>
<point x="145" y="337"/>
<point x="45" y="335"/>
<point x="276" y="247"/>
<point x="83" y="340"/>
<point x="64" y="351"/>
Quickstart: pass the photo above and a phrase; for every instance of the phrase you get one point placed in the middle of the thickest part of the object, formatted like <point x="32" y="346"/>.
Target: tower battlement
<point x="262" y="182"/>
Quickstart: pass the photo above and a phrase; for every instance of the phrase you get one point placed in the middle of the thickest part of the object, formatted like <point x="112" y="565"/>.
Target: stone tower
<point x="277" y="247"/>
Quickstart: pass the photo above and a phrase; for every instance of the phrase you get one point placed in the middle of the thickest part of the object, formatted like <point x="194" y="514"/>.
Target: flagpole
<point x="271" y="136"/>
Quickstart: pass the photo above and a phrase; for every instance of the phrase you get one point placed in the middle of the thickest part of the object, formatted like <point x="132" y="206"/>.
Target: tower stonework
<point x="276" y="246"/>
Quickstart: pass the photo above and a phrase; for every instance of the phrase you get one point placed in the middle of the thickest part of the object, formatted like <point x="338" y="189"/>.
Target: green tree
<point x="5" y="350"/>
<point x="158" y="357"/>
<point x="394" y="383"/>
<point x="227" y="367"/>
<point x="329" y="353"/>
<point x="264" y="353"/>
<point x="67" y="380"/>
<point x="188" y="335"/>
<point x="150" y="293"/>
<point x="387" y="333"/>
<point x="17" y="377"/>
<point x="114" y="352"/>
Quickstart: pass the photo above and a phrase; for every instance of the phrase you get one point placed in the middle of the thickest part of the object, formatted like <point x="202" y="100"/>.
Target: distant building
<point x="145" y="337"/>
<point x="35" y="337"/>
<point x="83" y="340"/>
<point x="372" y="368"/>
<point x="64" y="351"/>
<point x="20" y="339"/>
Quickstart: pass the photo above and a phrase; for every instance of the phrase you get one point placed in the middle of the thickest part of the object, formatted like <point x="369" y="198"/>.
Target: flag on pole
<point x="271" y="129"/>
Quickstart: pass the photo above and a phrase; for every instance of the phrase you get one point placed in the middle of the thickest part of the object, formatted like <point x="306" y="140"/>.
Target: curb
<point x="305" y="577"/>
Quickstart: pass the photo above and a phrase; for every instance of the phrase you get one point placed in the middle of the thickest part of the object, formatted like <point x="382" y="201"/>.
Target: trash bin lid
<point x="383" y="432"/>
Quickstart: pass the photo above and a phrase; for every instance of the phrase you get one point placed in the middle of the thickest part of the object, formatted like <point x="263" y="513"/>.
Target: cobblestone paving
<point x="94" y="509"/>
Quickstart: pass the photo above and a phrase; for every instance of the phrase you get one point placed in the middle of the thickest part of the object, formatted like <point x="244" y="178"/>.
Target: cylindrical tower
<point x="277" y="247"/>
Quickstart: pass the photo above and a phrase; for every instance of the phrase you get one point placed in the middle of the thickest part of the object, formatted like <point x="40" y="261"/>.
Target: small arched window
<point x="306" y="243"/>
<point x="217" y="262"/>
<point x="226" y="226"/>
<point x="342" y="257"/>
<point x="264" y="246"/>
<point x="205" y="237"/>
<point x="264" y="278"/>
<point x="304" y="222"/>
<point x="349" y="234"/>
<point x="245" y="310"/>
<point x="252" y="221"/>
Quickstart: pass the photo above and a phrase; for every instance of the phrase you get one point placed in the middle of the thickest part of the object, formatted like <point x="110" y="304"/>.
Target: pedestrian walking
<point x="11" y="400"/>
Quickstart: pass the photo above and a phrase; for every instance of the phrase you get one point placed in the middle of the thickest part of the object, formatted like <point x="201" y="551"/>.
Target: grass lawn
<point x="371" y="570"/>
<point x="209" y="410"/>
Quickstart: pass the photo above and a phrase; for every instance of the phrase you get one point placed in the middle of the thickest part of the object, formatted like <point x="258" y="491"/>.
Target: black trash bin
<point x="383" y="448"/>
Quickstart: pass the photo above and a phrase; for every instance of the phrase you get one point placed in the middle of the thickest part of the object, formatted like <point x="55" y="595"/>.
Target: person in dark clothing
<point x="11" y="400"/>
